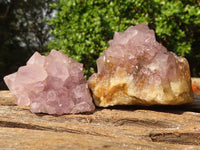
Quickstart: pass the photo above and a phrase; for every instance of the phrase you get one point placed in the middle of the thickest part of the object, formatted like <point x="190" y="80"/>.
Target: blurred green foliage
<point x="82" y="28"/>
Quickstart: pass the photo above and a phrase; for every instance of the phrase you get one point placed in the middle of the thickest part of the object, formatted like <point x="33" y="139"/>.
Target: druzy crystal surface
<point x="136" y="69"/>
<point x="52" y="84"/>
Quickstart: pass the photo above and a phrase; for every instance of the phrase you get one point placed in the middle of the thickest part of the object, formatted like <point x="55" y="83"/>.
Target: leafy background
<point x="82" y="28"/>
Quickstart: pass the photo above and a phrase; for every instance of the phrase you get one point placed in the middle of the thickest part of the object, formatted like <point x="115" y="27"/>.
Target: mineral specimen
<point x="54" y="84"/>
<point x="136" y="69"/>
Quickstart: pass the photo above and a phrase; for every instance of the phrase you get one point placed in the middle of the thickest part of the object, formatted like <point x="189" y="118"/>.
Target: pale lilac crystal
<point x="52" y="84"/>
<point x="136" y="69"/>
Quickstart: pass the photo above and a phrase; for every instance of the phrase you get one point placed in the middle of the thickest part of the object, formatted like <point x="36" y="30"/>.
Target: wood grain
<point x="121" y="127"/>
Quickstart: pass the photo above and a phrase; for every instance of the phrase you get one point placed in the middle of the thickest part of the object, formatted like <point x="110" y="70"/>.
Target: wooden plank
<point x="122" y="127"/>
<point x="6" y="98"/>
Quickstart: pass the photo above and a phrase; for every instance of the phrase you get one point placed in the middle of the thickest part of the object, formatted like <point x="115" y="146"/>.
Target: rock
<point x="136" y="69"/>
<point x="54" y="84"/>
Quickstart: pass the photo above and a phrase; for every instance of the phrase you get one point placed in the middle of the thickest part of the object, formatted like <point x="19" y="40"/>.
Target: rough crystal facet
<point x="54" y="84"/>
<point x="136" y="69"/>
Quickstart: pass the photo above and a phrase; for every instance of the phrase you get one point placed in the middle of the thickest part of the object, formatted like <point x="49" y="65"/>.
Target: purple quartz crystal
<point x="52" y="84"/>
<point x="136" y="69"/>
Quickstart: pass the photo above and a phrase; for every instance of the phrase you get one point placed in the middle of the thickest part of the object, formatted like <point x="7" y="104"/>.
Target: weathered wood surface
<point x="130" y="127"/>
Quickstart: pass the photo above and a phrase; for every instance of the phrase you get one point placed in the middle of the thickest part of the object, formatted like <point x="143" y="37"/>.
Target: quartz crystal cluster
<point x="136" y="69"/>
<point x="52" y="84"/>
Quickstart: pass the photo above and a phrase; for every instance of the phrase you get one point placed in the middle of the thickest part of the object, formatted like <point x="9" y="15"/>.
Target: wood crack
<point x="176" y="138"/>
<point x="37" y="127"/>
<point x="145" y="123"/>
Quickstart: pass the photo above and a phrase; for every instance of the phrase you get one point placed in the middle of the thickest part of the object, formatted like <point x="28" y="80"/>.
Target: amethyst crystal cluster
<point x="136" y="69"/>
<point x="54" y="84"/>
